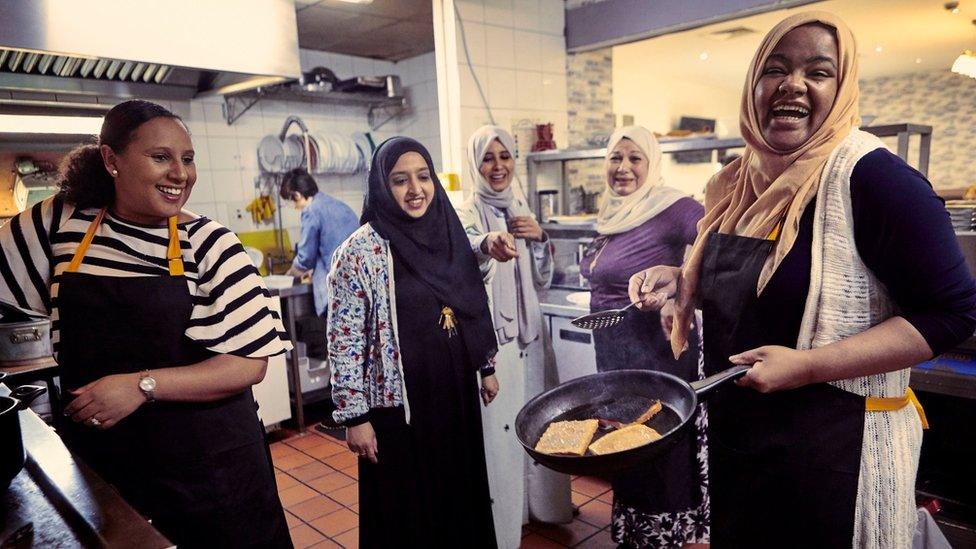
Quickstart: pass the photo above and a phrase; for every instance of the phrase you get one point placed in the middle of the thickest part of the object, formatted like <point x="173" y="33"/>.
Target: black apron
<point x="783" y="466"/>
<point x="200" y="471"/>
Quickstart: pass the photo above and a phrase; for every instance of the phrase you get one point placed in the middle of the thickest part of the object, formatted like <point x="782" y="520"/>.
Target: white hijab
<point x="514" y="299"/>
<point x="619" y="214"/>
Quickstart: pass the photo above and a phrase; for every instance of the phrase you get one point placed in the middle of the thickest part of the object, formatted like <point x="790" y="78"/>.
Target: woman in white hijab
<point x="642" y="222"/>
<point x="503" y="232"/>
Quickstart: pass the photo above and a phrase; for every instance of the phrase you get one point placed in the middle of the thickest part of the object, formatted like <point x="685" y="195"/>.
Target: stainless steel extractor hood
<point x="69" y="52"/>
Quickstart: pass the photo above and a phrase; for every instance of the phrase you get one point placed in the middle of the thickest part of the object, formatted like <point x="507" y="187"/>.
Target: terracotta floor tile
<point x="535" y="541"/>
<point x="292" y="520"/>
<point x="342" y="460"/>
<point x="295" y="495"/>
<point x="599" y="540"/>
<point x="354" y="508"/>
<point x="280" y="450"/>
<point x="336" y="523"/>
<point x="607" y="497"/>
<point x="308" y="440"/>
<point x="305" y="536"/>
<point x="580" y="500"/>
<point x="596" y="513"/>
<point x="311" y="471"/>
<point x="314" y="508"/>
<point x="326" y="544"/>
<point x="346" y="496"/>
<point x="326" y="449"/>
<point x="331" y="482"/>
<point x="331" y="437"/>
<point x="284" y="481"/>
<point x="590" y="486"/>
<point x="566" y="534"/>
<point x="349" y="540"/>
<point x="292" y="461"/>
<point x="352" y="471"/>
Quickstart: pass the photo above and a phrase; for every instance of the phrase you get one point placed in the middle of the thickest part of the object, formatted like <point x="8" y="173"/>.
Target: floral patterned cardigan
<point x="364" y="354"/>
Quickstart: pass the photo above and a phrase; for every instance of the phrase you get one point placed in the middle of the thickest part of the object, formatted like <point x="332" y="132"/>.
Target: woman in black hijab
<point x="404" y="351"/>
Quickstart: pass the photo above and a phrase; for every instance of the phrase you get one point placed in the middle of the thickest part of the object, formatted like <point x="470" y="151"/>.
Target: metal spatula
<point x="602" y="319"/>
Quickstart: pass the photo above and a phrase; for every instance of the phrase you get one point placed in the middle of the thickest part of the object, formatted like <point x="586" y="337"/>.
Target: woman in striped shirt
<point x="161" y="325"/>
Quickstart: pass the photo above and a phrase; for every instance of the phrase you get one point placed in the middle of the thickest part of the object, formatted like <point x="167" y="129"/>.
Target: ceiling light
<point x="952" y="7"/>
<point x="703" y="56"/>
<point x="30" y="123"/>
<point x="965" y="64"/>
<point x="878" y="49"/>
<point x="918" y="60"/>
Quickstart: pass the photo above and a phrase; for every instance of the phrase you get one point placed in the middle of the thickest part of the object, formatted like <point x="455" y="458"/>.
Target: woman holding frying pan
<point x="814" y="265"/>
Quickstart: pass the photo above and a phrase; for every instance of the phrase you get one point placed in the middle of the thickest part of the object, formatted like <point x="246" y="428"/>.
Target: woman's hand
<point x="489" y="388"/>
<point x="500" y="246"/>
<point x="361" y="439"/>
<point x="652" y="288"/>
<point x="525" y="227"/>
<point x="774" y="368"/>
<point x="106" y="401"/>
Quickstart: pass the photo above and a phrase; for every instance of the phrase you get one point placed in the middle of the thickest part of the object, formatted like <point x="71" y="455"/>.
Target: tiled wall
<point x="226" y="155"/>
<point x="591" y="119"/>
<point x="943" y="100"/>
<point x="517" y="51"/>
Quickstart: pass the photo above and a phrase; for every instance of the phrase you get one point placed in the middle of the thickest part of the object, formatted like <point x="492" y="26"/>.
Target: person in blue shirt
<point x="326" y="222"/>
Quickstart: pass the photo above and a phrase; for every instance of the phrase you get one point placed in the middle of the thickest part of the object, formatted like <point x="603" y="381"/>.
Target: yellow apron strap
<point x="890" y="404"/>
<point x="85" y="242"/>
<point x="774" y="234"/>
<point x="173" y="253"/>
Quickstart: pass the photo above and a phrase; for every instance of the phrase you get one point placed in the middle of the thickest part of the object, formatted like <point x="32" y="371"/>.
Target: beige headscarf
<point x="619" y="214"/>
<point x="514" y="298"/>
<point x="752" y="194"/>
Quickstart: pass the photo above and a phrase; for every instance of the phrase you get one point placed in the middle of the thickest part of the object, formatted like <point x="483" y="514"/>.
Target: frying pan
<point x="618" y="395"/>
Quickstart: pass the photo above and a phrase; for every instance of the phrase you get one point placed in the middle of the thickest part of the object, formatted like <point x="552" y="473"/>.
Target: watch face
<point x="147" y="384"/>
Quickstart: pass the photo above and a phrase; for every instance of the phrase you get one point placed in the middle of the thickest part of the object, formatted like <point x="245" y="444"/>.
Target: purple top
<point x="661" y="240"/>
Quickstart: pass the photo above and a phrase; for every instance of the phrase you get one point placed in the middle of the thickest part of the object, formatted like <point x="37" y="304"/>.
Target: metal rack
<point x="236" y="105"/>
<point x="903" y="132"/>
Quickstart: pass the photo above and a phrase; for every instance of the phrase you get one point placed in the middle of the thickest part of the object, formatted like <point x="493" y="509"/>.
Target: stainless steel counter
<point x="57" y="501"/>
<point x="296" y="302"/>
<point x="554" y="303"/>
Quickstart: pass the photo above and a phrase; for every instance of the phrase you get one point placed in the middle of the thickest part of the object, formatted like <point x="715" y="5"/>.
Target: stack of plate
<point x="962" y="214"/>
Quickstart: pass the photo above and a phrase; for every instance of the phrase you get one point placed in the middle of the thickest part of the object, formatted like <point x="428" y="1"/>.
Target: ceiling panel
<point x="384" y="29"/>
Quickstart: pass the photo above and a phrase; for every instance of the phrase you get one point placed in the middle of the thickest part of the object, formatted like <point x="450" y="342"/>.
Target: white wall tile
<point x="499" y="47"/>
<point x="553" y="91"/>
<point x="474" y="37"/>
<point x="469" y="89"/>
<point x="498" y="12"/>
<point x="343" y="65"/>
<point x="528" y="51"/>
<point x="470" y="10"/>
<point x="553" y="52"/>
<point x="216" y="123"/>
<point x="529" y="87"/>
<point x="224" y="153"/>
<point x="526" y="14"/>
<point x="227" y="185"/>
<point x="502" y="89"/>
<point x="552" y="16"/>
<point x="201" y="150"/>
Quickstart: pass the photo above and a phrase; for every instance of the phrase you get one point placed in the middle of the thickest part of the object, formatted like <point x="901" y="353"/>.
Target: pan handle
<point x="710" y="383"/>
<point x="25" y="394"/>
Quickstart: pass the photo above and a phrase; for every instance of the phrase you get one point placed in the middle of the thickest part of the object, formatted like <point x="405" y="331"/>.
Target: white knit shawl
<point x="845" y="299"/>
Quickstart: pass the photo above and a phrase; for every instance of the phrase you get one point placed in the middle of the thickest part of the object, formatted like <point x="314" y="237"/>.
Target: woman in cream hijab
<point x="504" y="234"/>
<point x="813" y="269"/>
<point x="642" y="223"/>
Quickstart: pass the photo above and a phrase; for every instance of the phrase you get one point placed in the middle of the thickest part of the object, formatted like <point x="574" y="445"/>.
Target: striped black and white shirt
<point x="232" y="309"/>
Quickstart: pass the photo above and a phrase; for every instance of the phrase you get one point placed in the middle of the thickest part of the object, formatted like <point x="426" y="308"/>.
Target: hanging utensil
<point x="602" y="319"/>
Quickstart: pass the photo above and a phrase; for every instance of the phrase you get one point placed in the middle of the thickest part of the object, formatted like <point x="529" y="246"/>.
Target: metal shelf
<point x="690" y="144"/>
<point x="236" y="105"/>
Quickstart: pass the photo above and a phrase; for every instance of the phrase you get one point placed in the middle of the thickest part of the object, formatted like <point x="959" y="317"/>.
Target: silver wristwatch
<point x="147" y="384"/>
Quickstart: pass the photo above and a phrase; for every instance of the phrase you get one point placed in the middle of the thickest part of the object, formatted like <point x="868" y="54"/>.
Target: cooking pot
<point x="27" y="340"/>
<point x="23" y="337"/>
<point x="618" y="395"/>
<point x="12" y="453"/>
